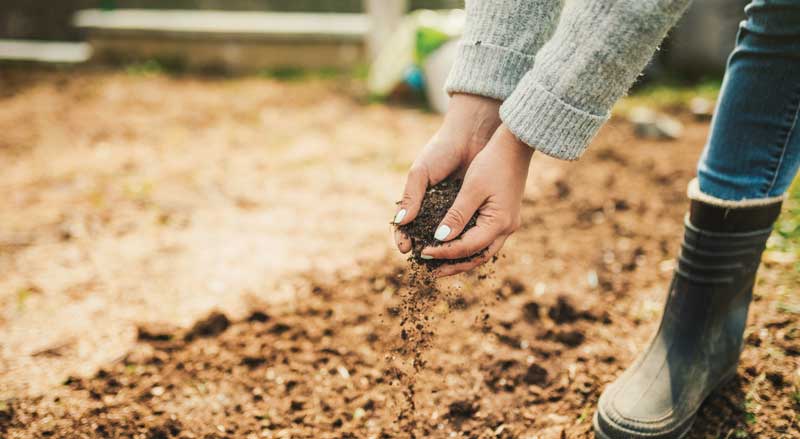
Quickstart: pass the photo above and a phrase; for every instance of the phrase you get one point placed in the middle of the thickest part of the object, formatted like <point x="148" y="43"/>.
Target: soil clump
<point x="438" y="200"/>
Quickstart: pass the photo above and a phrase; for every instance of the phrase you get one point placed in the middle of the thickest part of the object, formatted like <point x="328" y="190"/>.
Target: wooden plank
<point x="227" y="56"/>
<point x="47" y="52"/>
<point x="262" y="25"/>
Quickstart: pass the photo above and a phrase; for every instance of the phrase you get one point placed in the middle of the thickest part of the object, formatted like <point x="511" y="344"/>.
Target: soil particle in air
<point x="421" y="299"/>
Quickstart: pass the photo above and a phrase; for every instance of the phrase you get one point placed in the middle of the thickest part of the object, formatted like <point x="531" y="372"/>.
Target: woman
<point x="538" y="75"/>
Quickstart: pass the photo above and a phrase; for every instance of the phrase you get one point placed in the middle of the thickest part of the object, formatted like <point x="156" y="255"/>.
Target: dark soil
<point x="438" y="200"/>
<point x="214" y="324"/>
<point x="318" y="369"/>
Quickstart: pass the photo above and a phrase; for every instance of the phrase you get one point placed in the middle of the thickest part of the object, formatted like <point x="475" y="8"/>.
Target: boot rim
<point x="693" y="192"/>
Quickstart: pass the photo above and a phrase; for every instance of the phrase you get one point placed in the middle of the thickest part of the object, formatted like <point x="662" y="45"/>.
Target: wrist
<point x="470" y="122"/>
<point x="479" y="112"/>
<point x="476" y="100"/>
<point x="507" y="140"/>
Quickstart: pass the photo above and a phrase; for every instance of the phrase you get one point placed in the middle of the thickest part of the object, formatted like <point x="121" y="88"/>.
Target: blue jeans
<point x="753" y="150"/>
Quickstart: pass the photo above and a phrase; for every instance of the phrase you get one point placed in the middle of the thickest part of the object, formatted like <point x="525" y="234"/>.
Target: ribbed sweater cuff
<point x="547" y="123"/>
<point x="487" y="70"/>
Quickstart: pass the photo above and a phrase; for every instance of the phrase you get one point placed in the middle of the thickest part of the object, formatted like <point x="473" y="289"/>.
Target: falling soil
<point x="423" y="302"/>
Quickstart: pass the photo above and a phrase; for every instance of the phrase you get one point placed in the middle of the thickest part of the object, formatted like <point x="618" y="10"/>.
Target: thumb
<point x="468" y="201"/>
<point x="416" y="185"/>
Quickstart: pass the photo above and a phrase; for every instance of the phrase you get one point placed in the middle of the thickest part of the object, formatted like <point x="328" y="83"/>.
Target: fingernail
<point x="441" y="232"/>
<point x="426" y="257"/>
<point x="400" y="215"/>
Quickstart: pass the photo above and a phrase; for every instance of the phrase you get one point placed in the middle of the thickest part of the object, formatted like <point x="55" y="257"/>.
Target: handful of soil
<point x="438" y="200"/>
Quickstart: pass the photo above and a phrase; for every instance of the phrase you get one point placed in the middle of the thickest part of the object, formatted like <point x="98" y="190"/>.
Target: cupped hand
<point x="468" y="125"/>
<point x="493" y="186"/>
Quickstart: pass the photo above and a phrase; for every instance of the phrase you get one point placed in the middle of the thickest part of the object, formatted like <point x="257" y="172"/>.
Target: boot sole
<point x="602" y="435"/>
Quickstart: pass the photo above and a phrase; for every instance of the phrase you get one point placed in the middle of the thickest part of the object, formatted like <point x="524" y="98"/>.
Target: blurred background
<point x="162" y="159"/>
<point x="247" y="36"/>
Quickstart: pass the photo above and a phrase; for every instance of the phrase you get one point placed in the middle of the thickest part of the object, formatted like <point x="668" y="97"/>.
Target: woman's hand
<point x="493" y="186"/>
<point x="470" y="122"/>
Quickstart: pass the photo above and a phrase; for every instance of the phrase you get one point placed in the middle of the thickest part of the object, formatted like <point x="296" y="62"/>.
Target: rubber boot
<point x="698" y="343"/>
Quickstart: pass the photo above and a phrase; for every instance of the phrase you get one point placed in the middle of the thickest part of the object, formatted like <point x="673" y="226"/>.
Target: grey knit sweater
<point x="558" y="78"/>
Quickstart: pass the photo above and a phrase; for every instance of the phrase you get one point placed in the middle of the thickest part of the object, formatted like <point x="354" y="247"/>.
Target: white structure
<point x="384" y="16"/>
<point x="44" y="51"/>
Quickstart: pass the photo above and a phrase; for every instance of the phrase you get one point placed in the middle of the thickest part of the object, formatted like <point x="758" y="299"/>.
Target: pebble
<point x="701" y="108"/>
<point x="648" y="124"/>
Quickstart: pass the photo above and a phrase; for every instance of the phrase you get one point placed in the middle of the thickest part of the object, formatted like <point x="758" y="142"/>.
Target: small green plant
<point x="585" y="415"/>
<point x="300" y="74"/>
<point x="785" y="240"/>
<point x="162" y="65"/>
<point x="149" y="67"/>
<point x="667" y="95"/>
<point x="789" y="308"/>
<point x="23" y="294"/>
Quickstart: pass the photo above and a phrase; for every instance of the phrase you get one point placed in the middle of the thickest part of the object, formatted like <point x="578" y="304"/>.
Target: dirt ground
<point x="133" y="206"/>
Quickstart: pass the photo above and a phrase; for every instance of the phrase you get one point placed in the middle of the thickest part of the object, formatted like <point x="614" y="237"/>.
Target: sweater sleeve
<point x="598" y="50"/>
<point x="500" y="40"/>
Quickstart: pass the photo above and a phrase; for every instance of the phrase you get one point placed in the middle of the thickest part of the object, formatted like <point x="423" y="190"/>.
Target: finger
<point x="452" y="269"/>
<point x="402" y="240"/>
<point x="416" y="184"/>
<point x="469" y="199"/>
<point x="472" y="241"/>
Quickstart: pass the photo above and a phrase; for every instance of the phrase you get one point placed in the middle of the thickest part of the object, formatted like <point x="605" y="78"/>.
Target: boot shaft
<point x="714" y="277"/>
<point x="698" y="343"/>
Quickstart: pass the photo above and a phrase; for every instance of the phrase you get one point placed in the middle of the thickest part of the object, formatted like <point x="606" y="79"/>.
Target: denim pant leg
<point x="753" y="150"/>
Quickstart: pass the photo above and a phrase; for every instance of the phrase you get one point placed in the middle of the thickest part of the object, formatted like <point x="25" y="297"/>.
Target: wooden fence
<point x="51" y="20"/>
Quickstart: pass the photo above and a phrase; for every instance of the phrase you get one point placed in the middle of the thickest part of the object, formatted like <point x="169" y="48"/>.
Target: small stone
<point x="570" y="338"/>
<point x="536" y="375"/>
<point x="701" y="108"/>
<point x="531" y="312"/>
<point x="563" y="311"/>
<point x="776" y="378"/>
<point x="651" y="125"/>
<point x="155" y="332"/>
<point x="258" y="316"/>
<point x="212" y="325"/>
<point x="463" y="409"/>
